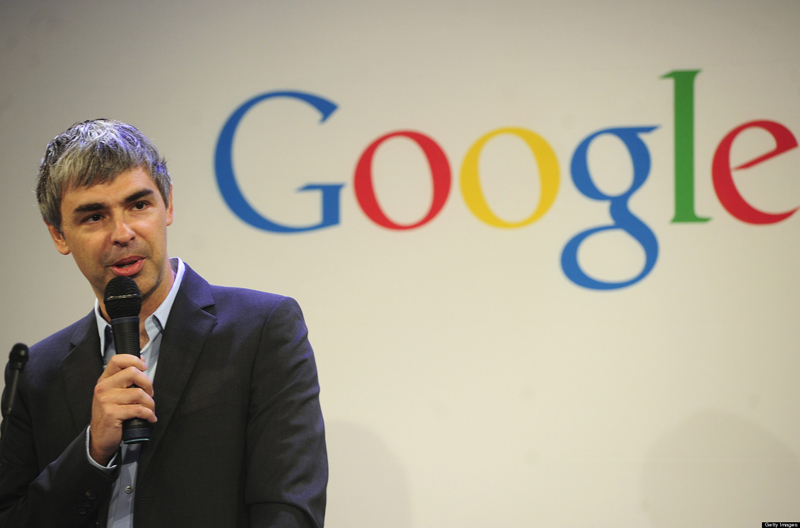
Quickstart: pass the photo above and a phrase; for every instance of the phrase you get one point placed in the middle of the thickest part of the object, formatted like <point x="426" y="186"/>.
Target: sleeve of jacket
<point x="67" y="492"/>
<point x="287" y="461"/>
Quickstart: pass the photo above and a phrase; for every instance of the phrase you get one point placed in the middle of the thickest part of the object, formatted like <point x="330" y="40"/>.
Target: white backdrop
<point x="466" y="380"/>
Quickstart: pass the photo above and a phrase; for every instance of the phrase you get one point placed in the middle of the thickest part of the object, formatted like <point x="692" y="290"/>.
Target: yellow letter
<point x="548" y="172"/>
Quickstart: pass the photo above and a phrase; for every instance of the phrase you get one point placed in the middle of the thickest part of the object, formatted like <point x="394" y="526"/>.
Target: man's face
<point x="119" y="228"/>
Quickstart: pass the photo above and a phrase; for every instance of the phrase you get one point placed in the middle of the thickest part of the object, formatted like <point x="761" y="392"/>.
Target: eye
<point x="140" y="205"/>
<point x="92" y="218"/>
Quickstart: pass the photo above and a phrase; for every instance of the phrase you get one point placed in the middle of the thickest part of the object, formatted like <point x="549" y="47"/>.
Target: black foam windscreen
<point x="122" y="298"/>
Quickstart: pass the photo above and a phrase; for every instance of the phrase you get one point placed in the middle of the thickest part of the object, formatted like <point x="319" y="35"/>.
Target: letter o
<point x="440" y="174"/>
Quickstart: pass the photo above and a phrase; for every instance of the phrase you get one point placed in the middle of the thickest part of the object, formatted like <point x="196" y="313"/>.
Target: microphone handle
<point x="16" y="362"/>
<point x="126" y="341"/>
<point x="12" y="395"/>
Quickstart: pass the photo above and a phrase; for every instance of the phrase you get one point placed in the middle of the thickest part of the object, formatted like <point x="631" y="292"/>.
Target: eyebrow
<point x="135" y="197"/>
<point x="99" y="206"/>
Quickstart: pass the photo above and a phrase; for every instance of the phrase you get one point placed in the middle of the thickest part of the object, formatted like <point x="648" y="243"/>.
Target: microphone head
<point x="18" y="356"/>
<point x="122" y="298"/>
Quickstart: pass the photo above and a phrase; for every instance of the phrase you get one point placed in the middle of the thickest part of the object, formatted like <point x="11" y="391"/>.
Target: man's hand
<point x="115" y="400"/>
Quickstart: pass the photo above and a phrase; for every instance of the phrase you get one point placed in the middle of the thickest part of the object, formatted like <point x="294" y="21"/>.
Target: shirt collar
<point x="159" y="317"/>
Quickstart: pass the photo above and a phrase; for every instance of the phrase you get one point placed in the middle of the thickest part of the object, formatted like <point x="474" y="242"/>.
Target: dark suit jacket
<point x="239" y="439"/>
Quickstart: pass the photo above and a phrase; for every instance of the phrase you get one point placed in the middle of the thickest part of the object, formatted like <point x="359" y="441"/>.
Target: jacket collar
<point x="189" y="324"/>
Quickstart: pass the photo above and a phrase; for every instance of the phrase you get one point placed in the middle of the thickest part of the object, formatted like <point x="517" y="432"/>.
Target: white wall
<point x="467" y="382"/>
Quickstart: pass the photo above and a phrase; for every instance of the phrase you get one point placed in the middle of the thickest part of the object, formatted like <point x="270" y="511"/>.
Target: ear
<point x="170" y="210"/>
<point x="58" y="239"/>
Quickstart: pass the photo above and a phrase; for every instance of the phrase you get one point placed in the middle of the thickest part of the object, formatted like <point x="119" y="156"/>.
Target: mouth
<point x="127" y="266"/>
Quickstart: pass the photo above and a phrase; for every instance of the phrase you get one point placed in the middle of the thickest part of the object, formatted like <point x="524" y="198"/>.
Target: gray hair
<point x="94" y="152"/>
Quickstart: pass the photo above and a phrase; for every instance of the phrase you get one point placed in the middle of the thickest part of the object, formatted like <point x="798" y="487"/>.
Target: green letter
<point x="684" y="146"/>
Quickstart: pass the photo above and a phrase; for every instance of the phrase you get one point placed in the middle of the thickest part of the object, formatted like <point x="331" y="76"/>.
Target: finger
<point x="117" y="414"/>
<point x="122" y="404"/>
<point x="124" y="397"/>
<point x="121" y="362"/>
<point x="124" y="379"/>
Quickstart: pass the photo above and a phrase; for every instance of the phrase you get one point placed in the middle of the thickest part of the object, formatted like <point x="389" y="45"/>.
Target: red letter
<point x="440" y="173"/>
<point x="723" y="179"/>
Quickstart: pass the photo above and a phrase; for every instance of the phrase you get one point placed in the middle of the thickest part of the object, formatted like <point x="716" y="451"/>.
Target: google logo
<point x="549" y="175"/>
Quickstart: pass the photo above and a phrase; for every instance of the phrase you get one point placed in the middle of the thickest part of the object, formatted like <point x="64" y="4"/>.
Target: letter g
<point x="226" y="179"/>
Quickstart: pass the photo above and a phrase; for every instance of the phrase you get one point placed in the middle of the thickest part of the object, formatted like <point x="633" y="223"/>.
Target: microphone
<point x="16" y="362"/>
<point x="123" y="304"/>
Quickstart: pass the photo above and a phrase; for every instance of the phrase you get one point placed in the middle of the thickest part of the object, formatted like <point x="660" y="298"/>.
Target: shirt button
<point x="128" y="490"/>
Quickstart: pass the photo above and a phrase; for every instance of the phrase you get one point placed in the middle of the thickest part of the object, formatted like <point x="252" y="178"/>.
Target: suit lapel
<point x="81" y="368"/>
<point x="182" y="343"/>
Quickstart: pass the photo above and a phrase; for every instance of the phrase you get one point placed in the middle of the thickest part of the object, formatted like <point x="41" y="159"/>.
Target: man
<point x="227" y="378"/>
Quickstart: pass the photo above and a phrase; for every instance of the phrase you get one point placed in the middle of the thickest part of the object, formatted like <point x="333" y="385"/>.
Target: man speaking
<point x="226" y="378"/>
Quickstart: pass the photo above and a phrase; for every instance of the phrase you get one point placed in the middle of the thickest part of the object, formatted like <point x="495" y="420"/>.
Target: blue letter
<point x="226" y="179"/>
<point x="622" y="217"/>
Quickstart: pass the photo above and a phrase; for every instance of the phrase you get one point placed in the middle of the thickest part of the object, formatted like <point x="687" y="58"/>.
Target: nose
<point x="121" y="234"/>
